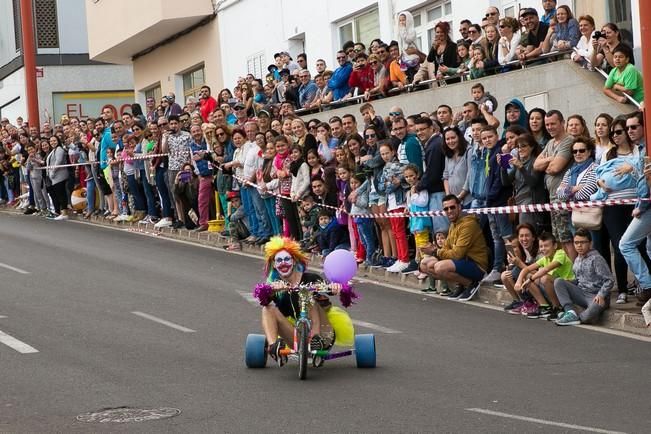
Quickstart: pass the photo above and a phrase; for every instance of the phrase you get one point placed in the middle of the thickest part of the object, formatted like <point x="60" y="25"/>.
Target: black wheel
<point x="303" y="335"/>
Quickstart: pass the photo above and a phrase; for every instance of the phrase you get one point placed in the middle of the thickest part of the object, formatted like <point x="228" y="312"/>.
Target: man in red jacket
<point x="208" y="103"/>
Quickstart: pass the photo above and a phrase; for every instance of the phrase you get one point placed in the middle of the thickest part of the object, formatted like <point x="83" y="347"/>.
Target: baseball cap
<point x="238" y="106"/>
<point x="264" y="113"/>
<point x="272" y="68"/>
<point x="284" y="71"/>
<point x="528" y="11"/>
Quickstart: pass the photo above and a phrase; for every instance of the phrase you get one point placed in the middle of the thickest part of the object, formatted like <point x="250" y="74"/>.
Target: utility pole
<point x="29" y="59"/>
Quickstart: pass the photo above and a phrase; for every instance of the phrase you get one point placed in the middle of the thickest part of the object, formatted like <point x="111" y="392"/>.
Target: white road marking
<point x="248" y="297"/>
<point x="2" y="316"/>
<point x="16" y="269"/>
<point x="542" y="421"/>
<point x="164" y="322"/>
<point x="369" y="325"/>
<point x="17" y="345"/>
<point x="599" y="329"/>
<point x="378" y="328"/>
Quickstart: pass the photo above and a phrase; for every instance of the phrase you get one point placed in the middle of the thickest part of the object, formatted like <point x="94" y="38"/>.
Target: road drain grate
<point x="128" y="414"/>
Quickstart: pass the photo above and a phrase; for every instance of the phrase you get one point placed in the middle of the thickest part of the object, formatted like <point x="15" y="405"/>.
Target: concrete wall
<point x="546" y="86"/>
<point x="166" y="64"/>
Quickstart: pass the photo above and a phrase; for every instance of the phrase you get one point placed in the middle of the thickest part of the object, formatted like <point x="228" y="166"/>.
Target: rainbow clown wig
<point x="278" y="244"/>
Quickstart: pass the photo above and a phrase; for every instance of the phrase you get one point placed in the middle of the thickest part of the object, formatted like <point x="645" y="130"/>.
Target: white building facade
<point x="68" y="82"/>
<point x="251" y="31"/>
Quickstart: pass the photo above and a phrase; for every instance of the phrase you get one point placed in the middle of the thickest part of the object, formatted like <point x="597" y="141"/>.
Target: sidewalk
<point x="625" y="318"/>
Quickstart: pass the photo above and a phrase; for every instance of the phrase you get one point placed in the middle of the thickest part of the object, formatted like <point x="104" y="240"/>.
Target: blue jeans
<point x="500" y="227"/>
<point x="32" y="202"/>
<point x="90" y="194"/>
<point x="366" y="230"/>
<point x="636" y="233"/>
<point x="149" y="194"/>
<point x="270" y="208"/>
<point x="163" y="192"/>
<point x="264" y="224"/>
<point x="134" y="189"/>
<point x="117" y="192"/>
<point x="249" y="210"/>
<point x="439" y="223"/>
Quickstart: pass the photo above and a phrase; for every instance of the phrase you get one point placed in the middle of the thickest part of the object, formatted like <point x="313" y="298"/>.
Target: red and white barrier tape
<point x="540" y="207"/>
<point x="88" y="163"/>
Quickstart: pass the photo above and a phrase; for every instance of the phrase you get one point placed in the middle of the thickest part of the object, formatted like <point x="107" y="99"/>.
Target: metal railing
<point x="427" y="84"/>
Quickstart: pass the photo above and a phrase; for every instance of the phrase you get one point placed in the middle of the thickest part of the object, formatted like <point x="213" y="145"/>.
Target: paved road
<point x="75" y="307"/>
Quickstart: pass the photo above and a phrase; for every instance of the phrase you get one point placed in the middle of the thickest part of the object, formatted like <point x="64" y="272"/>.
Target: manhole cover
<point x="127" y="414"/>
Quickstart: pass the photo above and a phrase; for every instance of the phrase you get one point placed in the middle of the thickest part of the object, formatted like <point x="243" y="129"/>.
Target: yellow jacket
<point x="465" y="241"/>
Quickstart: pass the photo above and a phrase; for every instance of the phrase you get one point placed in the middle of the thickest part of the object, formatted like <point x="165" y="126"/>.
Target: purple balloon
<point x="340" y="266"/>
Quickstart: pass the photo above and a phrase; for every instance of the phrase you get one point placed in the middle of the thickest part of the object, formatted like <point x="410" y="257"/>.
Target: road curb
<point x="613" y="319"/>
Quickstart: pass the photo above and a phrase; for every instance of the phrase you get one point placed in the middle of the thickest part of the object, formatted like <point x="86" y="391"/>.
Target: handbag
<point x="587" y="218"/>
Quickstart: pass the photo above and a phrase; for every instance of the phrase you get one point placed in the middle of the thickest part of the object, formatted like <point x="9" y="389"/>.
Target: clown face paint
<point x="284" y="263"/>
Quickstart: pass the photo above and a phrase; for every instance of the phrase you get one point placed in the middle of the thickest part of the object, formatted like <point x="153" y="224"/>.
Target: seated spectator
<point x="307" y="90"/>
<point x="397" y="77"/>
<point x="603" y="45"/>
<point x="363" y="76"/>
<point x="521" y="252"/>
<point x="538" y="278"/>
<point x="408" y="53"/>
<point x="443" y="53"/>
<point x="464" y="257"/>
<point x="324" y="93"/>
<point x="625" y="78"/>
<point x="584" y="49"/>
<point x="563" y="32"/>
<point x="531" y="44"/>
<point x="331" y="235"/>
<point x="237" y="222"/>
<point x="509" y="40"/>
<point x="339" y="81"/>
<point x="477" y="65"/>
<point x="380" y="78"/>
<point x="591" y="290"/>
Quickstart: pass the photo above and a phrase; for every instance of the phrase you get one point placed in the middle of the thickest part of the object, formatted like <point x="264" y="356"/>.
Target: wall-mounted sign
<point x="90" y="104"/>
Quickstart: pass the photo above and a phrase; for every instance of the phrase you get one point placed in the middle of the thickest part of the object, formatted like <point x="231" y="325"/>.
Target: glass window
<point x="362" y="28"/>
<point x="192" y="82"/>
<point x="155" y="93"/>
<point x="434" y="14"/>
<point x="416" y="20"/>
<point x="447" y="8"/>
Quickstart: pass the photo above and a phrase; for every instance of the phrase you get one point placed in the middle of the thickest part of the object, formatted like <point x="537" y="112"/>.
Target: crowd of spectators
<point x="246" y="158"/>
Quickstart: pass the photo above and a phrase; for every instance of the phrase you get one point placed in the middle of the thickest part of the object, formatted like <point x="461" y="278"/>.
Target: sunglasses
<point x="633" y="127"/>
<point x="341" y="58"/>
<point x="374" y="62"/>
<point x="618" y="132"/>
<point x="450" y="208"/>
<point x="395" y="114"/>
<point x="579" y="151"/>
<point x="370" y="136"/>
<point x="472" y="31"/>
<point x="502" y="26"/>
<point x="491" y="14"/>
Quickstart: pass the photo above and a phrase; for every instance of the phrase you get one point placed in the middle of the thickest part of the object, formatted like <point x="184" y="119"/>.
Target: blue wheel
<point x="255" y="351"/>
<point x="365" y="351"/>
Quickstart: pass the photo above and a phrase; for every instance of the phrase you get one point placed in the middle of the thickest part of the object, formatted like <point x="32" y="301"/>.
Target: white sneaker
<point x="492" y="277"/>
<point x="163" y="223"/>
<point x="622" y="298"/>
<point x="398" y="267"/>
<point x="145" y="221"/>
<point x="62" y="217"/>
<point x="121" y="218"/>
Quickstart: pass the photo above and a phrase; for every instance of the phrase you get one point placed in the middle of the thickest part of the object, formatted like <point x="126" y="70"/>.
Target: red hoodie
<point x="364" y="79"/>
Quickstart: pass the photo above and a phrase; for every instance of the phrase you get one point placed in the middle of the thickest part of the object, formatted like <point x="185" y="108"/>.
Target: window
<point x="154" y="92"/>
<point x="361" y="28"/>
<point x="47" y="27"/>
<point x="620" y="14"/>
<point x="18" y="33"/>
<point x="426" y="18"/>
<point x="192" y="82"/>
<point x="255" y="65"/>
